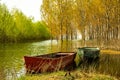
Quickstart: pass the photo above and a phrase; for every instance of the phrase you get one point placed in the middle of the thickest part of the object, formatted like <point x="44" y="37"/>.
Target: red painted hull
<point x="49" y="62"/>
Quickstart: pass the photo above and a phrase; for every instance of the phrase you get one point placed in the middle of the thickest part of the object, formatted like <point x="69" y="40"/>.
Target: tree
<point x="6" y="24"/>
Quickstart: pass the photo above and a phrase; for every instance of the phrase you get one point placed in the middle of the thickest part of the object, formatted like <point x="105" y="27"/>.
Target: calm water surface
<point x="12" y="62"/>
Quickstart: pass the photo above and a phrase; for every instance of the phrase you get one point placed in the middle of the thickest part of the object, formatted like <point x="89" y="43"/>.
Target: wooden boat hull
<point x="49" y="62"/>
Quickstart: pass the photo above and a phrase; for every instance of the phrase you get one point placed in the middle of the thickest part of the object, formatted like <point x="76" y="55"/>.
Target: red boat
<point x="49" y="62"/>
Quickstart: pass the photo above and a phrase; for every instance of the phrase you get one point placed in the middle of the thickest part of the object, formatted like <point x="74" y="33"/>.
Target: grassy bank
<point x="75" y="75"/>
<point x="110" y="51"/>
<point x="110" y="71"/>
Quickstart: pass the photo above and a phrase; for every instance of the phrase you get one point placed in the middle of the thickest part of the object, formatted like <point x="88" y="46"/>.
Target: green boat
<point x="87" y="54"/>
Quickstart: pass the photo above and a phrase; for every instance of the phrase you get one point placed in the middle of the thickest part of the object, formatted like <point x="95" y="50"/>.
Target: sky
<point x="28" y="7"/>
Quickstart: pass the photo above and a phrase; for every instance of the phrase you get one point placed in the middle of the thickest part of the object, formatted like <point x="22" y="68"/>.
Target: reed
<point x="75" y="75"/>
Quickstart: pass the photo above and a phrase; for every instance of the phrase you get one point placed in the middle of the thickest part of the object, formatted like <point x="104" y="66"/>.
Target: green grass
<point x="75" y="75"/>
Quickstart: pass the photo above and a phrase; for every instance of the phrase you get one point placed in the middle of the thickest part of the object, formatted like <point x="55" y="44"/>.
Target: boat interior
<point x="53" y="55"/>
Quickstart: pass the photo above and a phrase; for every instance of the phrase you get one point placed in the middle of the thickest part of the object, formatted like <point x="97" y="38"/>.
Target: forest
<point x="98" y="21"/>
<point x="16" y="27"/>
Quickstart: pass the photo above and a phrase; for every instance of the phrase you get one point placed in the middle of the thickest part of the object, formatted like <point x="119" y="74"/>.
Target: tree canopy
<point x="16" y="27"/>
<point x="95" y="19"/>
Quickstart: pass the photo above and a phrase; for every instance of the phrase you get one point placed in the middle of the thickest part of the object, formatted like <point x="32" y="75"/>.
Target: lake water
<point x="12" y="62"/>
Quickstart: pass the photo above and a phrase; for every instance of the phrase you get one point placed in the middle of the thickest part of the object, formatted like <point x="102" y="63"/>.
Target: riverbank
<point x="110" y="51"/>
<point x="75" y="75"/>
<point x="12" y="62"/>
<point x="108" y="72"/>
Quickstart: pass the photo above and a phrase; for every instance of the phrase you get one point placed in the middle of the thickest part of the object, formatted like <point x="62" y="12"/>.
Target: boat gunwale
<point x="67" y="54"/>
